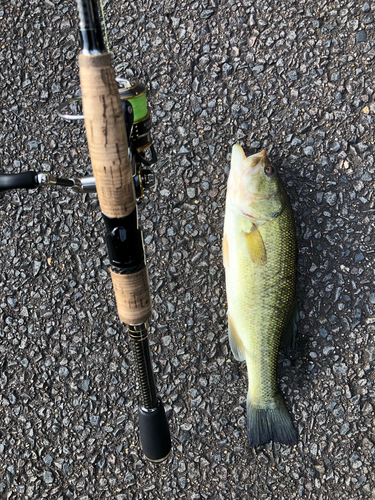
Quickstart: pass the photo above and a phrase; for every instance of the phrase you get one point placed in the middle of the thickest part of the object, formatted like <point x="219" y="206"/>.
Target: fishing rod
<point x="118" y="130"/>
<point x="113" y="170"/>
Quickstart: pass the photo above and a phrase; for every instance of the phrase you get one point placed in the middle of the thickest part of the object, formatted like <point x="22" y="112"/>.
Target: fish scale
<point x="261" y="296"/>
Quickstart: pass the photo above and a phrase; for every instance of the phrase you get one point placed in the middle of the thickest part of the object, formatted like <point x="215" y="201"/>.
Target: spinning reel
<point x="142" y="154"/>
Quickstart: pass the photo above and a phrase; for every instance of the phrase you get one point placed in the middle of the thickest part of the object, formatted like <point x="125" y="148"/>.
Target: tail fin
<point x="272" y="422"/>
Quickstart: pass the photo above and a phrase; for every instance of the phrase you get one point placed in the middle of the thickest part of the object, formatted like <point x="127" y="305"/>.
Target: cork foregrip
<point x="132" y="292"/>
<point x="106" y="135"/>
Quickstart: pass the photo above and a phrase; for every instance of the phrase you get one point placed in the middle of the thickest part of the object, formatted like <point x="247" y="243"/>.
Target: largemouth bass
<point x="259" y="250"/>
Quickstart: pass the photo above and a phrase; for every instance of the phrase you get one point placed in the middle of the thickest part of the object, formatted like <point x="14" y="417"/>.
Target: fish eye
<point x="269" y="170"/>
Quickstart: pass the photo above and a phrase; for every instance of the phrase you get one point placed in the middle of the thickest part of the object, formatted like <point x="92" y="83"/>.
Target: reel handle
<point x="26" y="180"/>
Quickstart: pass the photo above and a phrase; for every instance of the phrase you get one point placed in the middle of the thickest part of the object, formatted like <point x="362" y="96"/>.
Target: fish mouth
<point x="254" y="167"/>
<point x="255" y="162"/>
<point x="254" y="170"/>
<point x="262" y="155"/>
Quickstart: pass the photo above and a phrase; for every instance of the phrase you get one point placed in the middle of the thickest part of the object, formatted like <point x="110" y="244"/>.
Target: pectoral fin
<point x="235" y="342"/>
<point x="255" y="245"/>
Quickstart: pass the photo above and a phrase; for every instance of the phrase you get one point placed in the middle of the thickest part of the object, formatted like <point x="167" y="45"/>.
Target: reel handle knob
<point x="26" y="180"/>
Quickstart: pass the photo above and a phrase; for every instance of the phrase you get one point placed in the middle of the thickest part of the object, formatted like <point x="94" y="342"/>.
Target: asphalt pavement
<point x="296" y="78"/>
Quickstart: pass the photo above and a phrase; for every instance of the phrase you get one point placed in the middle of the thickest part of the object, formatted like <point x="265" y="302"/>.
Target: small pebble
<point x="94" y="419"/>
<point x="361" y="36"/>
<point x="309" y="151"/>
<point x="340" y="369"/>
<point x="366" y="7"/>
<point x="48" y="477"/>
<point x="63" y="371"/>
<point x="368" y="19"/>
<point x="191" y="192"/>
<point x="48" y="460"/>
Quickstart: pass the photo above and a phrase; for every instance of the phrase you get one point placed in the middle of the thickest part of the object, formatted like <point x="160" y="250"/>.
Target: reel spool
<point x="136" y="94"/>
<point x="138" y="119"/>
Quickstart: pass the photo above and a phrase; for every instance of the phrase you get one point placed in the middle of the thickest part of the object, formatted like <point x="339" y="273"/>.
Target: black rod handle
<point x="153" y="425"/>
<point x="26" y="180"/>
<point x="154" y="433"/>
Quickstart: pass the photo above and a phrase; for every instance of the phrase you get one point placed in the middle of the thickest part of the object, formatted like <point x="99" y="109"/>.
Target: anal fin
<point x="226" y="251"/>
<point x="235" y="342"/>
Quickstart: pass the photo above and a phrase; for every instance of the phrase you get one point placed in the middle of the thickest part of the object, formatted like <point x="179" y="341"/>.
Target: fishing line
<point x="104" y="24"/>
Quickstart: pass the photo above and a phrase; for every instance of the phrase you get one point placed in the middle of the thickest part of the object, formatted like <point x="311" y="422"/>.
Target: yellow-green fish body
<point x="259" y="248"/>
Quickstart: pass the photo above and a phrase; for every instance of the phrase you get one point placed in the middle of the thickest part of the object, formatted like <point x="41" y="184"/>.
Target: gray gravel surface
<point x="296" y="78"/>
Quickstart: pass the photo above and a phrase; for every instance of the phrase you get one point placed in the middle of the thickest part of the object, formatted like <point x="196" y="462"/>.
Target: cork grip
<point x="106" y="135"/>
<point x="133" y="297"/>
